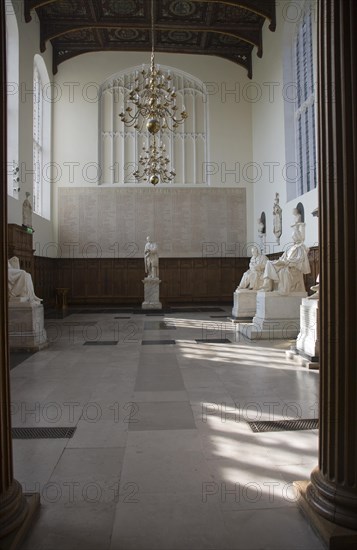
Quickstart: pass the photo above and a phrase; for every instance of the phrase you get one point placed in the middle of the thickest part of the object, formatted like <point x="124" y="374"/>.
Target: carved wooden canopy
<point x="228" y="29"/>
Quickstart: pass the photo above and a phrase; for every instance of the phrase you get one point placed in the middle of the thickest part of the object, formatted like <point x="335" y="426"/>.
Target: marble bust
<point x="253" y="278"/>
<point x="20" y="283"/>
<point x="151" y="259"/>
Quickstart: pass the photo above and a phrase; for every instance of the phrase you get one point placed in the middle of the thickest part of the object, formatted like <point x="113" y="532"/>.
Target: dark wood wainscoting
<point x="44" y="280"/>
<point x="107" y="281"/>
<point x="119" y="281"/>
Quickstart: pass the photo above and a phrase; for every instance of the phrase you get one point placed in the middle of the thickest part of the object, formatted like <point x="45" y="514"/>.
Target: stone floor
<point x="162" y="457"/>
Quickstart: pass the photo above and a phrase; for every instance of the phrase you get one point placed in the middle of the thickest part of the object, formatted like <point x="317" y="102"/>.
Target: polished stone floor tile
<point x="163" y="457"/>
<point x="169" y="521"/>
<point x="161" y="374"/>
<point x="75" y="526"/>
<point x="173" y="415"/>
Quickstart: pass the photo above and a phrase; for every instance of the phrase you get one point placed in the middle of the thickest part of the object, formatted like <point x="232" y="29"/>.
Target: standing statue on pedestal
<point x="20" y="282"/>
<point x="27" y="212"/>
<point x="151" y="259"/>
<point x="261" y="232"/>
<point x="289" y="270"/>
<point x="253" y="278"/>
<point x="277" y="219"/>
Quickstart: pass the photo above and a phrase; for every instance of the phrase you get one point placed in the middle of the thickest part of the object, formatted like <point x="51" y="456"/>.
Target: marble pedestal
<point x="277" y="317"/>
<point x="244" y="305"/>
<point x="151" y="293"/>
<point x="26" y="326"/>
<point x="307" y="342"/>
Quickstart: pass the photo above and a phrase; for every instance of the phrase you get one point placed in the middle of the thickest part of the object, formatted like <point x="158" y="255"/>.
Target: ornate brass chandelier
<point x="154" y="98"/>
<point x="154" y="163"/>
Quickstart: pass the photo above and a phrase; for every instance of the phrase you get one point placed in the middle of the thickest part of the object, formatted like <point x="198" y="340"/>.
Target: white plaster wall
<point x="269" y="135"/>
<point x="29" y="35"/>
<point x="76" y="116"/>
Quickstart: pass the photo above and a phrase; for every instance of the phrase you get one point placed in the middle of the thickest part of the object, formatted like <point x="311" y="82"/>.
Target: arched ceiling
<point x="229" y="29"/>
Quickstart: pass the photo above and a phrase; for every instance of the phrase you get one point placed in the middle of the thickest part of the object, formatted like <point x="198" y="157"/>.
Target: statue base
<point x="277" y="317"/>
<point x="26" y="326"/>
<point x="151" y="293"/>
<point x="307" y="343"/>
<point x="244" y="305"/>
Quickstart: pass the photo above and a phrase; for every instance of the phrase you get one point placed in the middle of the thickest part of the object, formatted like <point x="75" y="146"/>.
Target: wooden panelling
<point x="20" y="245"/>
<point x="44" y="279"/>
<point x="119" y="280"/>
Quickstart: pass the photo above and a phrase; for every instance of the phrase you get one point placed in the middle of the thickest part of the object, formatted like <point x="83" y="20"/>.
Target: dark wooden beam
<point x="74" y="52"/>
<point x="251" y="35"/>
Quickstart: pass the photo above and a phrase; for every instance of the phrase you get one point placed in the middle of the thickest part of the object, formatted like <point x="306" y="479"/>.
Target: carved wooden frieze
<point x="208" y="27"/>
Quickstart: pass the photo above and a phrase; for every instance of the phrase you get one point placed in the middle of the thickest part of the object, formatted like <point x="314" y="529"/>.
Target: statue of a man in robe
<point x="151" y="259"/>
<point x="20" y="283"/>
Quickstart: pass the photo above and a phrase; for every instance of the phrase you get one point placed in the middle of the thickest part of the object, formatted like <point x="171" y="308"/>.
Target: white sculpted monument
<point x="151" y="281"/>
<point x="20" y="284"/>
<point x="151" y="259"/>
<point x="245" y="295"/>
<point x="307" y="342"/>
<point x="27" y="212"/>
<point x="253" y="278"/>
<point x="277" y="219"/>
<point x="26" y="315"/>
<point x="278" y="302"/>
<point x="287" y="273"/>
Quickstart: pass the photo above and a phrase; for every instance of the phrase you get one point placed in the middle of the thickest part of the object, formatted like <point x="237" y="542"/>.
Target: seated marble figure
<point x="253" y="278"/>
<point x="20" y="283"/>
<point x="286" y="275"/>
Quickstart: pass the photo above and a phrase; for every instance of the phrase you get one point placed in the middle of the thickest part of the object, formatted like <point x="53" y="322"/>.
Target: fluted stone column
<point x="332" y="492"/>
<point x="16" y="509"/>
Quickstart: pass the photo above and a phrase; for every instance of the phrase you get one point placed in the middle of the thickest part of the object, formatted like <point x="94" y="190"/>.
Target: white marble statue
<point x="151" y="259"/>
<point x="20" y="282"/>
<point x="261" y="232"/>
<point x="27" y="212"/>
<point x="289" y="270"/>
<point x="277" y="219"/>
<point x="253" y="278"/>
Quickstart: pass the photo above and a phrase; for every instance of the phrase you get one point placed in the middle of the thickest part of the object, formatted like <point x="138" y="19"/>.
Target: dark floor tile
<point x="159" y="325"/>
<point x="101" y="343"/>
<point x="157" y="342"/>
<point x="121" y="317"/>
<point x="213" y="341"/>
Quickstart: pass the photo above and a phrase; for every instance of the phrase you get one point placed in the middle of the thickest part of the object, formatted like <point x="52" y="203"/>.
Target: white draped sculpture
<point x="151" y="259"/>
<point x="20" y="282"/>
<point x="27" y="212"/>
<point x="288" y="271"/>
<point x="253" y="278"/>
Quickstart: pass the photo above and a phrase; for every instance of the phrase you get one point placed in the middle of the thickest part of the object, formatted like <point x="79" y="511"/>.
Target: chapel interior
<point x="178" y="297"/>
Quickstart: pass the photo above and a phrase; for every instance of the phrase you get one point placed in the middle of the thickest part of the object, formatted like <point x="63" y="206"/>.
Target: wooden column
<point x="332" y="492"/>
<point x="16" y="509"/>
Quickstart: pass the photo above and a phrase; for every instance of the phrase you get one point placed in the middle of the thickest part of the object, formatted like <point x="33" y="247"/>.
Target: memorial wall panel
<point x="114" y="223"/>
